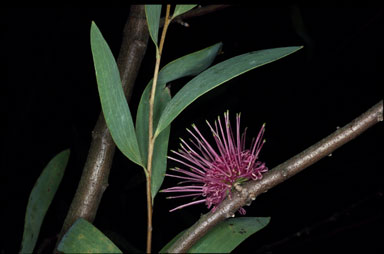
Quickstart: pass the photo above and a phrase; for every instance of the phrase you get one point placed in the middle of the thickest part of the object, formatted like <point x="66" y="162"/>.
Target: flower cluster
<point x="210" y="175"/>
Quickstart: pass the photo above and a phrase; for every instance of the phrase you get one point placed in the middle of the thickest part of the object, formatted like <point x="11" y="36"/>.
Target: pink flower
<point x="210" y="174"/>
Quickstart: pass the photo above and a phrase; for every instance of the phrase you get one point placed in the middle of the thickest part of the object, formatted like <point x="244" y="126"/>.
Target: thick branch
<point x="94" y="179"/>
<point x="250" y="190"/>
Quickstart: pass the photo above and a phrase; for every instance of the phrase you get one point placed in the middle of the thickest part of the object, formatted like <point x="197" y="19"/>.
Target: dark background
<point x="51" y="104"/>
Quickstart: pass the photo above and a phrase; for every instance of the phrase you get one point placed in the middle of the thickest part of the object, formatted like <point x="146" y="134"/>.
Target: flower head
<point x="211" y="173"/>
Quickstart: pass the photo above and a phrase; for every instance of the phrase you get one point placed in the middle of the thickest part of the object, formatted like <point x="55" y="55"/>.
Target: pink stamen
<point x="188" y="204"/>
<point x="213" y="172"/>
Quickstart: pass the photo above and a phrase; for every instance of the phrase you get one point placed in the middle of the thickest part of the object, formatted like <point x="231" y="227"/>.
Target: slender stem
<point x="151" y="138"/>
<point x="149" y="214"/>
<point x="94" y="178"/>
<point x="250" y="190"/>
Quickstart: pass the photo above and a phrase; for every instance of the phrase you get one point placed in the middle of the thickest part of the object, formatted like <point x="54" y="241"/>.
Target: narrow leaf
<point x="40" y="199"/>
<point x="83" y="237"/>
<point x="159" y="158"/>
<point x="191" y="64"/>
<point x="215" y="76"/>
<point x="182" y="8"/>
<point x="225" y="236"/>
<point x="113" y="102"/>
<point x="142" y="116"/>
<point x="152" y="12"/>
<point x="188" y="65"/>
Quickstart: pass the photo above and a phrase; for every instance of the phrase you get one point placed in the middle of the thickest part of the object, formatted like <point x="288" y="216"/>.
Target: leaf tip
<point x="67" y="151"/>
<point x="93" y="25"/>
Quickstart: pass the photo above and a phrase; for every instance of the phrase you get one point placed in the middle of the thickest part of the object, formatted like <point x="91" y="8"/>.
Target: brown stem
<point x="149" y="214"/>
<point x="250" y="190"/>
<point x="151" y="138"/>
<point x="94" y="179"/>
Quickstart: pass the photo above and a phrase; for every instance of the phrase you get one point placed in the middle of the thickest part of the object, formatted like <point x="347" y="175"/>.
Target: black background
<point x="51" y="104"/>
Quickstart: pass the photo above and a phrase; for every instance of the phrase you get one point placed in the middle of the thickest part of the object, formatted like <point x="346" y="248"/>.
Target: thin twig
<point x="94" y="178"/>
<point x="279" y="174"/>
<point x="151" y="138"/>
<point x="197" y="12"/>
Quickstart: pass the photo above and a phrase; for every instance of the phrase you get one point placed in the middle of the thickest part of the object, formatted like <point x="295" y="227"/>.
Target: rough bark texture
<point x="94" y="179"/>
<point x="250" y="190"/>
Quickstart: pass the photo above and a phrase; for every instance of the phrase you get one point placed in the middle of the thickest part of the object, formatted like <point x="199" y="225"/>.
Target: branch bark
<point x="250" y="190"/>
<point x="94" y="179"/>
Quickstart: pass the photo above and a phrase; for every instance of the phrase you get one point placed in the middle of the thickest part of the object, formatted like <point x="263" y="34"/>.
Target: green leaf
<point x="215" y="76"/>
<point x="113" y="102"/>
<point x="182" y="8"/>
<point x="40" y="199"/>
<point x="83" y="237"/>
<point x="190" y="64"/>
<point x="152" y="12"/>
<point x="225" y="236"/>
<point x="159" y="158"/>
